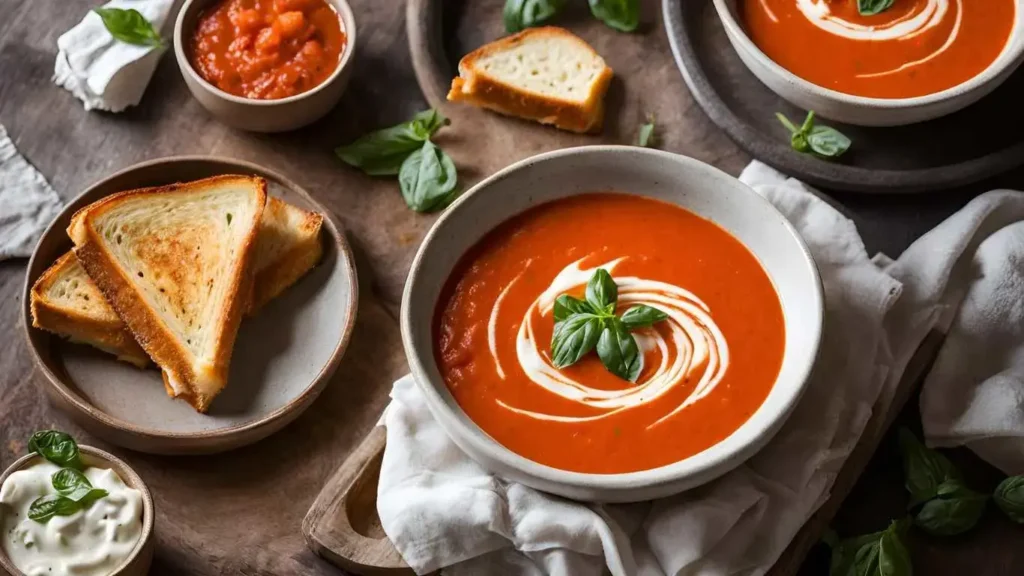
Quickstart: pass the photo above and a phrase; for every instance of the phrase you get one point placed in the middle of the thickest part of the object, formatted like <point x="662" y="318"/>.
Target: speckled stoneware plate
<point x="965" y="147"/>
<point x="283" y="358"/>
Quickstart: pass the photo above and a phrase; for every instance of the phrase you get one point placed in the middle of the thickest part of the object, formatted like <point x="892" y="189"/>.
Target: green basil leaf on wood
<point x="573" y="338"/>
<point x="642" y="316"/>
<point x="925" y="469"/>
<point x="872" y="7"/>
<point x="893" y="557"/>
<point x="521" y="14"/>
<point x="382" y="152"/>
<point x="955" y="510"/>
<point x="566" y="306"/>
<point x="129" y="26"/>
<point x="55" y="446"/>
<point x="622" y="15"/>
<point x="1009" y="497"/>
<point x="602" y="293"/>
<point x="46" y="507"/>
<point x="428" y="178"/>
<point x="618" y="351"/>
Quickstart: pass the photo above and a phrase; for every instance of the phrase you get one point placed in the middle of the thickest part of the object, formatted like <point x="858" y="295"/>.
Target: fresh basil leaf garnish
<point x="642" y="316"/>
<point x="955" y="510"/>
<point x="66" y="480"/>
<point x="622" y="15"/>
<point x="428" y="178"/>
<point x="574" y="337"/>
<point x="821" y="141"/>
<point x="566" y="306"/>
<point x="521" y="14"/>
<point x="618" y="351"/>
<point x="1009" y="497"/>
<point x="55" y="446"/>
<point x="46" y="507"/>
<point x="382" y="152"/>
<point x="645" y="137"/>
<point x="925" y="469"/>
<point x="602" y="291"/>
<point x="129" y="26"/>
<point x="872" y="7"/>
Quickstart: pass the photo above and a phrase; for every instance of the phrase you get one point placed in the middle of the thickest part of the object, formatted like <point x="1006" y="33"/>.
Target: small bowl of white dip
<point x="110" y="536"/>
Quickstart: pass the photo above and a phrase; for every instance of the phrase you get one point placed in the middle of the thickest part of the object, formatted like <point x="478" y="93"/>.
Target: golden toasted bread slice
<point x="545" y="74"/>
<point x="64" y="300"/>
<point x="175" y="263"/>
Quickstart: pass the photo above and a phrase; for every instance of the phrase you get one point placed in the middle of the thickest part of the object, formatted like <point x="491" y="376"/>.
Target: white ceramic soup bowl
<point x="861" y="110"/>
<point x="679" y="180"/>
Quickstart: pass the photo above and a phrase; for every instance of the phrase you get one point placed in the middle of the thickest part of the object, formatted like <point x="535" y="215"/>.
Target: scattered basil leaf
<point x="55" y="446"/>
<point x="618" y="351"/>
<point x="872" y="7"/>
<point x="566" y="306"/>
<point x="645" y="137"/>
<point x="46" y="507"/>
<point x="925" y="469"/>
<point x="602" y="293"/>
<point x="428" y="178"/>
<point x="573" y="338"/>
<point x="521" y="14"/>
<point x="821" y="141"/>
<point x="622" y="15"/>
<point x="129" y="26"/>
<point x="381" y="153"/>
<point x="642" y="316"/>
<point x="1009" y="497"/>
<point x="955" y="510"/>
<point x="893" y="557"/>
<point x="875" y="554"/>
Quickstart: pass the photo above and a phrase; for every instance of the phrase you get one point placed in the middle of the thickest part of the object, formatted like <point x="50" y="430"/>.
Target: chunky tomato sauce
<point x="915" y="48"/>
<point x="267" y="49"/>
<point x="488" y="306"/>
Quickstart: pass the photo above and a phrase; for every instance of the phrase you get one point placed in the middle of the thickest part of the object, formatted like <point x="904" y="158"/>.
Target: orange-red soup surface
<point x="503" y="275"/>
<point x="941" y="50"/>
<point x="267" y="49"/>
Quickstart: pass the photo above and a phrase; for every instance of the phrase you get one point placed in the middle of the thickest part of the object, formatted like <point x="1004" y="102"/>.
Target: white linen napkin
<point x="27" y="202"/>
<point x="441" y="509"/>
<point x="102" y="72"/>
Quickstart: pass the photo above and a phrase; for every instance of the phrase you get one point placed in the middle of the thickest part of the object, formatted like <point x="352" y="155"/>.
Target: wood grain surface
<point x="240" y="512"/>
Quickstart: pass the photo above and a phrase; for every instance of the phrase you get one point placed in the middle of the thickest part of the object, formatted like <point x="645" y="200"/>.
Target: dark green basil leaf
<point x="67" y="480"/>
<point x="846" y="552"/>
<point x="55" y="446"/>
<point x="645" y="138"/>
<point x="925" y="469"/>
<point x="573" y="338"/>
<point x="872" y="7"/>
<point x="129" y="26"/>
<point x="1009" y="496"/>
<point x="566" y="306"/>
<point x="85" y="495"/>
<point x="642" y="316"/>
<point x="521" y="14"/>
<point x="827" y="142"/>
<point x="602" y="293"/>
<point x="428" y="179"/>
<point x="382" y="152"/>
<point x="893" y="557"/>
<point x="865" y="560"/>
<point x="618" y="351"/>
<point x="46" y="507"/>
<point x="622" y="15"/>
<point x="955" y="510"/>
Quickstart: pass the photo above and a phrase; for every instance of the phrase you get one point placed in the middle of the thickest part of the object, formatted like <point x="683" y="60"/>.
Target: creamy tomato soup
<point x="706" y="368"/>
<point x="914" y="48"/>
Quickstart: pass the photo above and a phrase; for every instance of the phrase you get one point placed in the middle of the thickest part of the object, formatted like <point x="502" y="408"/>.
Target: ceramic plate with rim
<point x="672" y="178"/>
<point x="283" y="357"/>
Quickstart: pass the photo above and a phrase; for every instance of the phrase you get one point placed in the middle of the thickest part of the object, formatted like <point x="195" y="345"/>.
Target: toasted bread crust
<point x="486" y="92"/>
<point x="149" y="331"/>
<point x="286" y="270"/>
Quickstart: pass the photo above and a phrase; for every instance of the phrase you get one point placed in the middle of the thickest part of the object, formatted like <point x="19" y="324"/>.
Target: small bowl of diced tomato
<point x="265" y="65"/>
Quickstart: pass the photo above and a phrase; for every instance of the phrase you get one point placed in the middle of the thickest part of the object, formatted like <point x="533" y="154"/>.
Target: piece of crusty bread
<point x="175" y="263"/>
<point x="64" y="300"/>
<point x="545" y="74"/>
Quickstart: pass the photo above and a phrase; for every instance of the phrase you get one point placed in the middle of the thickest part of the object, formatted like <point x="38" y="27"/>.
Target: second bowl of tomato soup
<point x="611" y="323"/>
<point x="882" y="62"/>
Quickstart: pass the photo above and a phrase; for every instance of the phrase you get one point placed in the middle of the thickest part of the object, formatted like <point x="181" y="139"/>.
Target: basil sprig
<point x="426" y="175"/>
<point x="872" y="7"/>
<point x="947" y="506"/>
<point x="55" y="446"/>
<point x="583" y="325"/>
<point x="74" y="491"/>
<point x="1009" y="497"/>
<point x="645" y="137"/>
<point x="129" y="26"/>
<point x="821" y="141"/>
<point x="622" y="15"/>
<point x="521" y="14"/>
<point x="879" y="553"/>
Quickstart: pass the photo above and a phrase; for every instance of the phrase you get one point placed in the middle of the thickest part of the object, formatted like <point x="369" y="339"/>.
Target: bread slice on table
<point x="545" y="74"/>
<point x="175" y="263"/>
<point x="65" y="301"/>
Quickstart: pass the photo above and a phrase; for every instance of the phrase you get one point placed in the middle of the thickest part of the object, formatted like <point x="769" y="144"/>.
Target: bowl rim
<point x="345" y="16"/>
<point x="1009" y="57"/>
<point x="300" y="402"/>
<point x="128" y="475"/>
<point x="466" y="430"/>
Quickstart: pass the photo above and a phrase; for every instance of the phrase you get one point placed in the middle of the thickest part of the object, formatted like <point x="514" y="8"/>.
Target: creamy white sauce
<point x="695" y="350"/>
<point x="90" y="542"/>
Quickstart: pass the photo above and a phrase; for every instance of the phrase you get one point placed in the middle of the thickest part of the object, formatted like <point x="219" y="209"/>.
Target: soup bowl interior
<point x="676" y="179"/>
<point x="862" y="110"/>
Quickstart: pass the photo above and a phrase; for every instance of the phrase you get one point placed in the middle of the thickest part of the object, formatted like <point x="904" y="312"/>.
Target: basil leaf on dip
<point x="566" y="306"/>
<point x="573" y="338"/>
<point x="602" y="293"/>
<point x="872" y="7"/>
<point x="618" y="351"/>
<point x="642" y="316"/>
<point x="427" y="178"/>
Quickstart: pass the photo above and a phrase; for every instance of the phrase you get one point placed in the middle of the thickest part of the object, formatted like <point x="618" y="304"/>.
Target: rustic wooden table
<point x="239" y="513"/>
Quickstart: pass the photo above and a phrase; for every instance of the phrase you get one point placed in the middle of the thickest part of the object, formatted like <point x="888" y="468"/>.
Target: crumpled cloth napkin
<point x="102" y="72"/>
<point x="27" y="202"/>
<point x="441" y="509"/>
